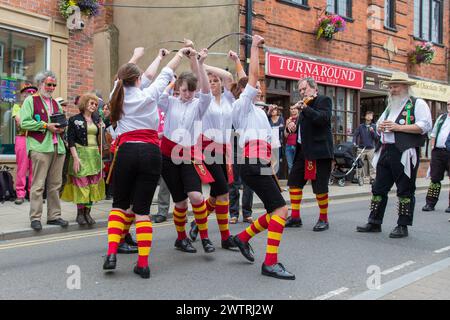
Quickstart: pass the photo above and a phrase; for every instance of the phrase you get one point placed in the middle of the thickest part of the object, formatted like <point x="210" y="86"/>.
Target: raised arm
<point x="152" y="69"/>
<point x="254" y="61"/>
<point x="227" y="77"/>
<point x="237" y="64"/>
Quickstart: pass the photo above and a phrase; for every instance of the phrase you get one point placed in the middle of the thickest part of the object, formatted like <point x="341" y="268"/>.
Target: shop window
<point x="21" y="57"/>
<point x="428" y="20"/>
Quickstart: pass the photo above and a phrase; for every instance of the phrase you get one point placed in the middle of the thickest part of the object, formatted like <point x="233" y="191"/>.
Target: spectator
<point x="85" y="184"/>
<point x="276" y="120"/>
<point x="22" y="160"/>
<point x="46" y="149"/>
<point x="247" y="193"/>
<point x="63" y="103"/>
<point x="365" y="136"/>
<point x="291" y="138"/>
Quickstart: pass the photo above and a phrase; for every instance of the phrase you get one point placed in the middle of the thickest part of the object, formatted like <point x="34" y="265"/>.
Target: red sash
<point x="142" y="135"/>
<point x="310" y="169"/>
<point x="187" y="153"/>
<point x="259" y="149"/>
<point x="220" y="149"/>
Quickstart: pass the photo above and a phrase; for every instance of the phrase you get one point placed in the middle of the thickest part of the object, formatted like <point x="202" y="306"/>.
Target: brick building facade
<point x="376" y="43"/>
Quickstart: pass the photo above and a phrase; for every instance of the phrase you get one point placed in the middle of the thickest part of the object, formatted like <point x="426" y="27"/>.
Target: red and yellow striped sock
<point x="259" y="225"/>
<point x="144" y="236"/>
<point x="180" y="219"/>
<point x="222" y="208"/>
<point x="116" y="224"/>
<point x="201" y="218"/>
<point x="322" y="201"/>
<point x="210" y="207"/>
<point x="129" y="219"/>
<point x="296" y="195"/>
<point x="275" y="231"/>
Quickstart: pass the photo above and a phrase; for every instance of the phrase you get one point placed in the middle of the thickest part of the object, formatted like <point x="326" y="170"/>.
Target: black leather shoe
<point x="208" y="246"/>
<point x="185" y="245"/>
<point x="129" y="240"/>
<point x="159" y="218"/>
<point x="447" y="210"/>
<point x="228" y="244"/>
<point x="58" y="222"/>
<point x="143" y="272"/>
<point x="369" y="227"/>
<point x="293" y="222"/>
<point x="399" y="232"/>
<point x="125" y="248"/>
<point x="277" y="271"/>
<point x="244" y="247"/>
<point x="193" y="233"/>
<point x="110" y="262"/>
<point x="321" y="226"/>
<point x="428" y="207"/>
<point x="36" y="225"/>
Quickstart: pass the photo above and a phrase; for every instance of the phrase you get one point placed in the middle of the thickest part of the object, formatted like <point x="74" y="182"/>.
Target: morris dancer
<point x="314" y="152"/>
<point x="255" y="134"/>
<point x="138" y="159"/>
<point x="182" y="168"/>
<point x="403" y="127"/>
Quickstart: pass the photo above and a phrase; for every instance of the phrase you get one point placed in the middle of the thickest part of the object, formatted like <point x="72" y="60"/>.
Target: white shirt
<point x="422" y="116"/>
<point x="140" y="110"/>
<point x="443" y="133"/>
<point x="182" y="123"/>
<point x="251" y="122"/>
<point x="217" y="121"/>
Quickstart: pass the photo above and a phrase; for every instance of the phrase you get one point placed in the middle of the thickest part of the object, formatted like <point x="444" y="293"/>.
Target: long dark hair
<point x="237" y="87"/>
<point x="126" y="77"/>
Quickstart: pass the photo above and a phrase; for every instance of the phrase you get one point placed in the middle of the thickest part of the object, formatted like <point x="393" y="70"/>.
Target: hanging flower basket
<point x="328" y="25"/>
<point x="423" y="53"/>
<point x="88" y="8"/>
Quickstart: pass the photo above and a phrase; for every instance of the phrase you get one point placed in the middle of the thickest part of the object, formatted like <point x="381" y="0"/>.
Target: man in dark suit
<point x="314" y="152"/>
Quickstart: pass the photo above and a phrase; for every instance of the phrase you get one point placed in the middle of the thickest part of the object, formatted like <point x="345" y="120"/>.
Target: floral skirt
<point x="88" y="184"/>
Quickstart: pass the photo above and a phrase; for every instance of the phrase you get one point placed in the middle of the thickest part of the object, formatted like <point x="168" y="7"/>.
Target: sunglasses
<point x="93" y="104"/>
<point x="50" y="85"/>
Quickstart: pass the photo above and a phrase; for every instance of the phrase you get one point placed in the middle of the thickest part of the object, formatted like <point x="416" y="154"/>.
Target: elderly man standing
<point x="46" y="150"/>
<point x="403" y="127"/>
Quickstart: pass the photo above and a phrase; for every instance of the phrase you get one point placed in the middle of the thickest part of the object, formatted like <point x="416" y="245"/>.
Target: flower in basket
<point x="423" y="53"/>
<point x="328" y="25"/>
<point x="89" y="8"/>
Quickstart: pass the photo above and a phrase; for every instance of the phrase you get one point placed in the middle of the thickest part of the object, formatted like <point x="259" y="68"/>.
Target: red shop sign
<point x="292" y="68"/>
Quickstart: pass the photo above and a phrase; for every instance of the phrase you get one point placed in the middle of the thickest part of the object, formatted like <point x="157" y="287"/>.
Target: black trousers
<point x="439" y="164"/>
<point x="247" y="195"/>
<point x="390" y="170"/>
<point x="297" y="174"/>
<point x="136" y="174"/>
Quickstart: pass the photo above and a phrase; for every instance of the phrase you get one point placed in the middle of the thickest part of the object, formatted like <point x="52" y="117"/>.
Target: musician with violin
<point x="314" y="152"/>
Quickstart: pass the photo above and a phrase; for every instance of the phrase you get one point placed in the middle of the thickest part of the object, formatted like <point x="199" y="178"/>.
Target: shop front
<point x="340" y="83"/>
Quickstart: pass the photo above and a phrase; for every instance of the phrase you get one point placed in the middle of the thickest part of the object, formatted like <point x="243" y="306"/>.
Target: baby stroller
<point x="348" y="164"/>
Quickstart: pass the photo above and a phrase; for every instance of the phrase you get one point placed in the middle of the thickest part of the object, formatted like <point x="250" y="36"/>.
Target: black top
<point x="77" y="132"/>
<point x="315" y="129"/>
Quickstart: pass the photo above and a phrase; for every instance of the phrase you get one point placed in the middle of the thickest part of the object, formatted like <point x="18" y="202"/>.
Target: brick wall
<point x="80" y="47"/>
<point x="292" y="28"/>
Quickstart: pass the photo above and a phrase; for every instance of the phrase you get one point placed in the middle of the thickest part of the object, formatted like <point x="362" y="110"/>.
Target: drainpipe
<point x="248" y="30"/>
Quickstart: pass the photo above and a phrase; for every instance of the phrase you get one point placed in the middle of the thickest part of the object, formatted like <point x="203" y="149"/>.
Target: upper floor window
<point x="428" y="20"/>
<point x="389" y="14"/>
<point x="302" y="3"/>
<point x="340" y="7"/>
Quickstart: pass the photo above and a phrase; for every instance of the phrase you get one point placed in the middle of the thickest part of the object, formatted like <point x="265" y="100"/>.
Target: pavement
<point x="431" y="281"/>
